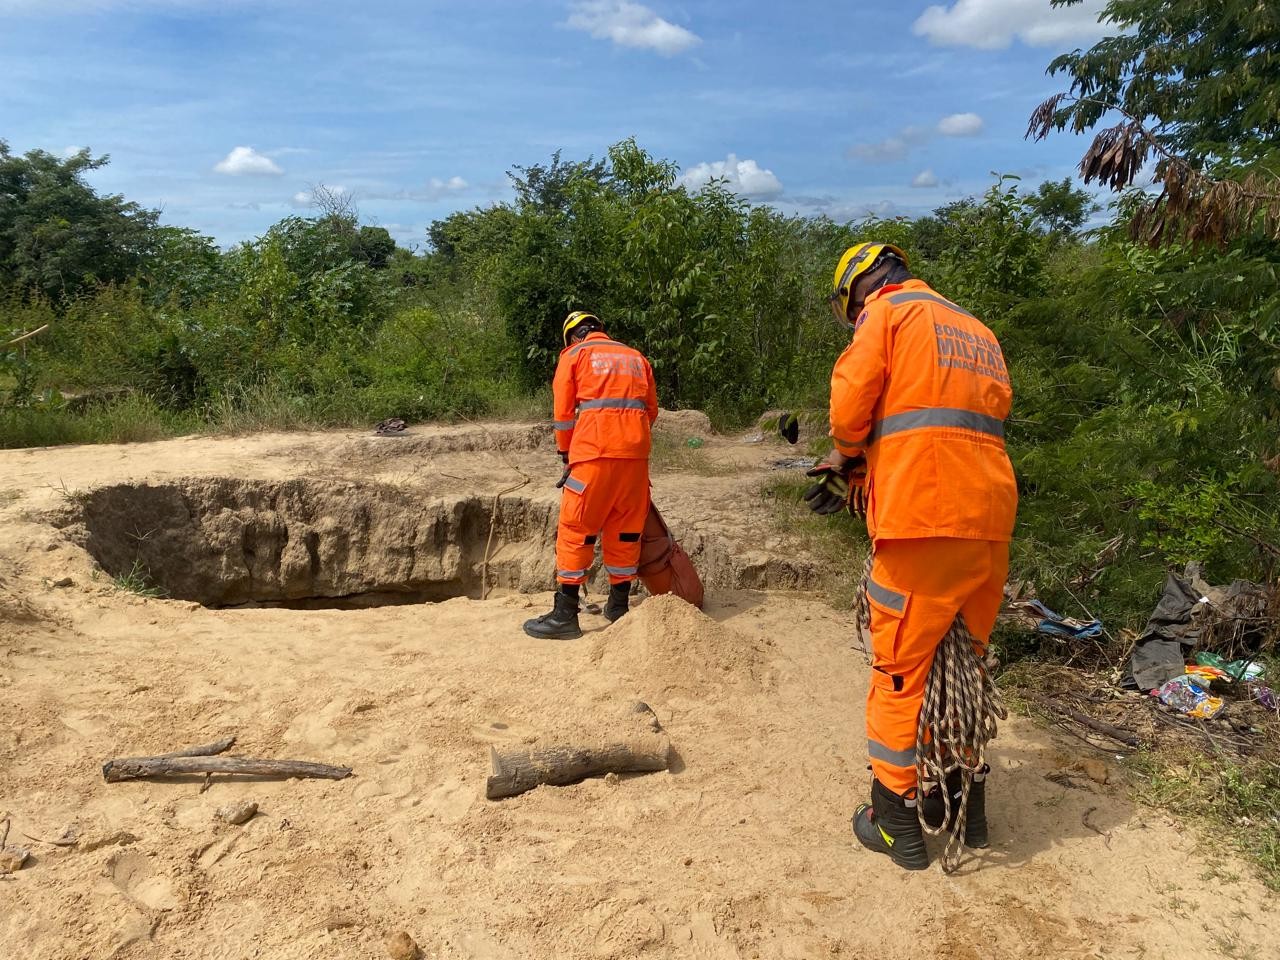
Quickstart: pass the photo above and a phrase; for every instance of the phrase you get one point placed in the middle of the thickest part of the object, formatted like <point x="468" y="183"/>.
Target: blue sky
<point x="226" y="113"/>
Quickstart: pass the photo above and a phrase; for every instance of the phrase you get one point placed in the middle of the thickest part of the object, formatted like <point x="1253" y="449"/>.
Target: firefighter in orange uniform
<point x="918" y="404"/>
<point x="605" y="405"/>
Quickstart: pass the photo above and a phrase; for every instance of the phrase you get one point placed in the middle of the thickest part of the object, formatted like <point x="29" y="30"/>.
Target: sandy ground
<point x="741" y="850"/>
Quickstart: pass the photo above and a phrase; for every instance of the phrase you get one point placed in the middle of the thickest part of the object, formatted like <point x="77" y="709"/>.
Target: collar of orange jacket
<point x="594" y="335"/>
<point x="889" y="288"/>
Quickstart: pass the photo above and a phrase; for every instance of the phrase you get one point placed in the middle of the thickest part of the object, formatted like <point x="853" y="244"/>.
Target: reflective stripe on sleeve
<point x="938" y="417"/>
<point x="565" y="424"/>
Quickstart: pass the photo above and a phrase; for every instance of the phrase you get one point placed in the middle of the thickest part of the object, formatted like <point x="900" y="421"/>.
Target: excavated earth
<point x="357" y="600"/>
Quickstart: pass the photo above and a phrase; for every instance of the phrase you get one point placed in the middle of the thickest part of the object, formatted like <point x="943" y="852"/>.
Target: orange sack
<point x="664" y="566"/>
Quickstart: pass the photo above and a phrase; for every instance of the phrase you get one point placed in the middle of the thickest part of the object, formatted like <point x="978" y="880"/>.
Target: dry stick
<point x="203" y="759"/>
<point x="1119" y="734"/>
<point x="1084" y="820"/>
<point x="137" y="768"/>
<point x="27" y="336"/>
<point x="488" y="547"/>
<point x="204" y="750"/>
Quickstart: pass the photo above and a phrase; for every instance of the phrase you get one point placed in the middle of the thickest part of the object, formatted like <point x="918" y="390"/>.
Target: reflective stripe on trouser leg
<point x="630" y="506"/>
<point x="601" y="489"/>
<point x="904" y="638"/>
<point x="941" y="577"/>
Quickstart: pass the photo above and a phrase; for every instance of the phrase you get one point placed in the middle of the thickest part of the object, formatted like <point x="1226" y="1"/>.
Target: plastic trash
<point x="695" y="442"/>
<point x="1265" y="696"/>
<point x="1247" y="670"/>
<point x="1186" y="696"/>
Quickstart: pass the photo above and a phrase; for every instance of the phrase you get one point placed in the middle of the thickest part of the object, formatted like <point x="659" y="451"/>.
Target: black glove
<point x="836" y="481"/>
<point x="830" y="494"/>
<point x="789" y="427"/>
<point x="564" y="457"/>
<point x="564" y="477"/>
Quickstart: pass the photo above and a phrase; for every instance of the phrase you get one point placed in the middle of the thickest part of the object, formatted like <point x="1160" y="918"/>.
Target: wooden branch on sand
<point x="516" y="770"/>
<point x="204" y="759"/>
<point x="1119" y="734"/>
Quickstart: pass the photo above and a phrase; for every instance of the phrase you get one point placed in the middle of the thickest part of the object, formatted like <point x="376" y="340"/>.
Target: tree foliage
<point x="58" y="237"/>
<point x="1196" y="84"/>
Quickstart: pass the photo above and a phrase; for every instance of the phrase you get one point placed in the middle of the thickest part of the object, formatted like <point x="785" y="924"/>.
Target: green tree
<point x="1196" y="85"/>
<point x="1061" y="207"/>
<point x="58" y="236"/>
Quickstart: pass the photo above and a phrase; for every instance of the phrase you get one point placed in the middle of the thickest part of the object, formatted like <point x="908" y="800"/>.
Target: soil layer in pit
<point x="311" y="544"/>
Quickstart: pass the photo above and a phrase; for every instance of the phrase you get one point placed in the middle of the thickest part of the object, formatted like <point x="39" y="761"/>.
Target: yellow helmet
<point x="853" y="263"/>
<point x="572" y="320"/>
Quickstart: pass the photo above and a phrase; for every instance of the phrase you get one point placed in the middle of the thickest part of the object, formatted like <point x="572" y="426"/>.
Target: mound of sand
<point x="668" y="644"/>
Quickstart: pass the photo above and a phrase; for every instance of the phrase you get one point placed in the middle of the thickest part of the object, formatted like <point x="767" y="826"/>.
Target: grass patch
<point x="264" y="407"/>
<point x="137" y="579"/>
<point x="1236" y="802"/>
<point x="672" y="454"/>
<point x="839" y="542"/>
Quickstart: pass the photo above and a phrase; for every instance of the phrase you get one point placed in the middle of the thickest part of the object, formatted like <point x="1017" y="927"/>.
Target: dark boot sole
<point x="539" y="634"/>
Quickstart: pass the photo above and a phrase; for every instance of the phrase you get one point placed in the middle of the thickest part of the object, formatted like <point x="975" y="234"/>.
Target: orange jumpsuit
<point x="605" y="405"/>
<point x="923" y="392"/>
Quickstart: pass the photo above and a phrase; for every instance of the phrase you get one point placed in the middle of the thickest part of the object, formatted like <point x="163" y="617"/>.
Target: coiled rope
<point x="957" y="721"/>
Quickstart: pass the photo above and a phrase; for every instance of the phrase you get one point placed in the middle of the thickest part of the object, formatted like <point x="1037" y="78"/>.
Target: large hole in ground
<point x="311" y="544"/>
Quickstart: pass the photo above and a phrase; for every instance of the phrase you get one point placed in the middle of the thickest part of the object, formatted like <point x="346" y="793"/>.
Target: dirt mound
<point x="688" y="423"/>
<point x="668" y="644"/>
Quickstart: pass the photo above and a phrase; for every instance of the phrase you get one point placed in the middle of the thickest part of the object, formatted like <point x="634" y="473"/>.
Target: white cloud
<point x="302" y="198"/>
<point x="891" y="149"/>
<point x="896" y="148"/>
<point x="248" y="162"/>
<point x="70" y="152"/>
<point x="630" y="25"/>
<point x="994" y="24"/>
<point x="745" y="177"/>
<point x="925" y="180"/>
<point x="961" y="125"/>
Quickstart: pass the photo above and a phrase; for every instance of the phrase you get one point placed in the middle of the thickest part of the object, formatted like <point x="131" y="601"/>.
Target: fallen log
<point x="203" y="759"/>
<point x="646" y="750"/>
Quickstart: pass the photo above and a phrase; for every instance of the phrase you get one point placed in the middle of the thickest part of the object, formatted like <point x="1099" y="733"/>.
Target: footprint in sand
<point x="623" y="930"/>
<point x="133" y="874"/>
<point x="84" y="723"/>
<point x="450" y="800"/>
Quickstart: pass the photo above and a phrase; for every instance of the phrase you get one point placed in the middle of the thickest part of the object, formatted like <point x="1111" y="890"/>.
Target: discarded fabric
<point x="1156" y="662"/>
<point x="1055" y="625"/>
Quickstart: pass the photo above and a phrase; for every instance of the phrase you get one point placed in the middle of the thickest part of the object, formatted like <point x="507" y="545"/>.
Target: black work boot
<point x="561" y="623"/>
<point x="975" y="824"/>
<point x="889" y="824"/>
<point x="619" y="601"/>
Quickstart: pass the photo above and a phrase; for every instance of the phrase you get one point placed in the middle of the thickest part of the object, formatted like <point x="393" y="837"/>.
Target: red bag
<point x="664" y="566"/>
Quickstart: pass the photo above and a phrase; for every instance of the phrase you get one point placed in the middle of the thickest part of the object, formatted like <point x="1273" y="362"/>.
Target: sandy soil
<point x="741" y="850"/>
